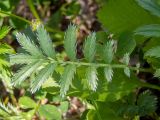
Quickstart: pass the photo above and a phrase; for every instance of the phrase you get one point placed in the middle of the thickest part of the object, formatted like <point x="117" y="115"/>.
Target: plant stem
<point x="148" y="85"/>
<point x="37" y="107"/>
<point x="32" y="8"/>
<point x="15" y="16"/>
<point x="29" y="22"/>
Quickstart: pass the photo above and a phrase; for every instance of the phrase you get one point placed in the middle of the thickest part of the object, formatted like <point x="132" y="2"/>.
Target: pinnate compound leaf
<point x="90" y="47"/>
<point x="70" y="41"/>
<point x="25" y="72"/>
<point x="153" y="52"/>
<point x="4" y="31"/>
<point x="42" y="76"/>
<point x="66" y="79"/>
<point x="108" y="72"/>
<point x="45" y="42"/>
<point x="108" y="52"/>
<point x="151" y="6"/>
<point x="91" y="76"/>
<point x="28" y="45"/>
<point x="148" y="30"/>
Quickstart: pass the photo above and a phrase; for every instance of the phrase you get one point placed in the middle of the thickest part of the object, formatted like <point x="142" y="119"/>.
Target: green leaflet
<point x="70" y="39"/>
<point x="126" y="59"/>
<point x="108" y="72"/>
<point x="154" y="52"/>
<point x="108" y="52"/>
<point x="42" y="76"/>
<point x="45" y="42"/>
<point x="157" y="73"/>
<point x="4" y="31"/>
<point x="152" y="30"/>
<point x="3" y="62"/>
<point x="21" y="58"/>
<point x="25" y="72"/>
<point x="4" y="108"/>
<point x="66" y="79"/>
<point x="6" y="49"/>
<point x="28" y="45"/>
<point x="127" y="71"/>
<point x="151" y="5"/>
<point x="91" y="76"/>
<point x="90" y="47"/>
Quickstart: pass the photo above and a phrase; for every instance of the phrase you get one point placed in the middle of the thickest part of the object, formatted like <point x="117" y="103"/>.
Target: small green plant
<point x="110" y="77"/>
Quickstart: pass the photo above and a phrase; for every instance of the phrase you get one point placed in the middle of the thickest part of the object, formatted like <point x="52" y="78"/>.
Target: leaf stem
<point x="32" y="8"/>
<point x="15" y="16"/>
<point x="103" y="65"/>
<point x="49" y="29"/>
<point x="37" y="107"/>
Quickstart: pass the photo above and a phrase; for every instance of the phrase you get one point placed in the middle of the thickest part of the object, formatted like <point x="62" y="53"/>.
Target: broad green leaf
<point x="26" y="102"/>
<point x="66" y="79"/>
<point x="70" y="39"/>
<point x="25" y="72"/>
<point x="108" y="72"/>
<point x="28" y="45"/>
<point x="124" y="15"/>
<point x="4" y="31"/>
<point x="154" y="52"/>
<point x="148" y="30"/>
<point x="49" y="112"/>
<point x="4" y="48"/>
<point x="42" y="76"/>
<point x="126" y="44"/>
<point x="108" y="52"/>
<point x="45" y="42"/>
<point x="64" y="106"/>
<point x="21" y="58"/>
<point x="90" y="47"/>
<point x="91" y="76"/>
<point x="151" y="5"/>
